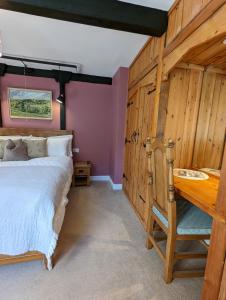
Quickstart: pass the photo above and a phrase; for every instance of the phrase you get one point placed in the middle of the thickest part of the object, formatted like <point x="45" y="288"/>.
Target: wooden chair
<point x="177" y="218"/>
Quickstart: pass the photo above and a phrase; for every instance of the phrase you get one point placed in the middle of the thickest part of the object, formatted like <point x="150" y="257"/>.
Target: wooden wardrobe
<point x="144" y="83"/>
<point x="177" y="88"/>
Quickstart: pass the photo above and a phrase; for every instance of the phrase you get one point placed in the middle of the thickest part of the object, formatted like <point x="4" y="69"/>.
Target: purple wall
<point x="119" y="96"/>
<point x="96" y="113"/>
<point x="35" y="83"/>
<point x="88" y="112"/>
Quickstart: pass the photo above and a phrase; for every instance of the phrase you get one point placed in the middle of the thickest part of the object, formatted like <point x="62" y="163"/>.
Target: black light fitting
<point x="60" y="99"/>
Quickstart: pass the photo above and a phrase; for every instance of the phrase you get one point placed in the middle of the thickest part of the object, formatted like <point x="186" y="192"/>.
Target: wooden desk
<point x="201" y="193"/>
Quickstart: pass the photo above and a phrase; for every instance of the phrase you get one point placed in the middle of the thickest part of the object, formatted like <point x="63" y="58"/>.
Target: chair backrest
<point x="160" y="166"/>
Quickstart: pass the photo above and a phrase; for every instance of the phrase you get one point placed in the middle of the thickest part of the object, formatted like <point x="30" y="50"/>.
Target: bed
<point x="32" y="203"/>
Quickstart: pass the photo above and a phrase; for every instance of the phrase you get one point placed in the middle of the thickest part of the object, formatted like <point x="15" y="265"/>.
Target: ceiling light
<point x="224" y="42"/>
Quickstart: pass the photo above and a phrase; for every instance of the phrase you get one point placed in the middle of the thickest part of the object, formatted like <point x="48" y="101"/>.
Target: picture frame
<point x="30" y="104"/>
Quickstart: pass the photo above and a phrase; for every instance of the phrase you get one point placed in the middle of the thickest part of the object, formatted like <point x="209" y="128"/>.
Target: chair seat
<point x="190" y="219"/>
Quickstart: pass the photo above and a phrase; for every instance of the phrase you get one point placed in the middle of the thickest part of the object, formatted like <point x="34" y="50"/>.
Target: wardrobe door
<point x="130" y="144"/>
<point x="147" y="94"/>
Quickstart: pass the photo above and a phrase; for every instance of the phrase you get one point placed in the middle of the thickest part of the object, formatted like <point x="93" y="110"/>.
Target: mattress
<point x="32" y="204"/>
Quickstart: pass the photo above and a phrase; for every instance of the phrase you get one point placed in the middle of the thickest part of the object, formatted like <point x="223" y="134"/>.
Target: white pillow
<point x="59" y="145"/>
<point x="10" y="137"/>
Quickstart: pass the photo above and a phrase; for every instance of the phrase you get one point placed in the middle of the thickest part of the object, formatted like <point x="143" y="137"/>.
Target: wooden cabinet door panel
<point x="130" y="147"/>
<point x="147" y="95"/>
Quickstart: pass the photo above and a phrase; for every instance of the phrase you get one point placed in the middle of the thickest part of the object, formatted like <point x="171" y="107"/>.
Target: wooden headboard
<point x="34" y="132"/>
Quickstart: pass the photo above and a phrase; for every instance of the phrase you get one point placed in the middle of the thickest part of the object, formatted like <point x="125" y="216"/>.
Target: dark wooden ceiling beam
<point x="9" y="69"/>
<point x="103" y="13"/>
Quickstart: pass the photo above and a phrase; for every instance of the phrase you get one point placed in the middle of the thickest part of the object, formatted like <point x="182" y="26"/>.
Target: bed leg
<point x="48" y="263"/>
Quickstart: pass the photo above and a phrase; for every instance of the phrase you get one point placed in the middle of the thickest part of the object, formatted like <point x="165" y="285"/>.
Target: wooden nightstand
<point x="82" y="171"/>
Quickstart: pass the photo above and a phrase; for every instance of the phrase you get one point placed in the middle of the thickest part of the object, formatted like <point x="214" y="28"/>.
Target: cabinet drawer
<point x="82" y="171"/>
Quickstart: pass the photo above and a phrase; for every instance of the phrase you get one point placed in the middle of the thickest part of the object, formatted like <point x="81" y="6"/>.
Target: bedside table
<point x="82" y="170"/>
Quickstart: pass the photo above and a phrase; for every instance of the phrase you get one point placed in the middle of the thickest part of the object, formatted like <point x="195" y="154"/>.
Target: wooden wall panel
<point x="182" y="112"/>
<point x="211" y="125"/>
<point x="144" y="61"/>
<point x="196" y="117"/>
<point x="210" y="25"/>
<point x="175" y="21"/>
<point x="190" y="9"/>
<point x="181" y="14"/>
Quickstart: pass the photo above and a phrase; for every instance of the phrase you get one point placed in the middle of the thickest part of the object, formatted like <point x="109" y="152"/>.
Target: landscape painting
<point x="30" y="104"/>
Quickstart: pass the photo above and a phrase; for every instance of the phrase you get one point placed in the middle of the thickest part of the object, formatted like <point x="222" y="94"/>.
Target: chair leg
<point x="151" y="224"/>
<point x="169" y="261"/>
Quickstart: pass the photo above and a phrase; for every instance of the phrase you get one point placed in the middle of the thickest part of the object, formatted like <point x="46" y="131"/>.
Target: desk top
<point x="201" y="193"/>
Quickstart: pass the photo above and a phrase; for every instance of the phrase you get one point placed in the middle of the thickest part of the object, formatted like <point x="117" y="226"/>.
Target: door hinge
<point x="129" y="103"/>
<point x="127" y="141"/>
<point x="124" y="176"/>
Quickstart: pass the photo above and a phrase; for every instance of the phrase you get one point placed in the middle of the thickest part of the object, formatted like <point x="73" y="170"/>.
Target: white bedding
<point x="33" y="196"/>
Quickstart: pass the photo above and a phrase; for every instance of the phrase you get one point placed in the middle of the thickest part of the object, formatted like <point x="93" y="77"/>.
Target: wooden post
<point x="217" y="251"/>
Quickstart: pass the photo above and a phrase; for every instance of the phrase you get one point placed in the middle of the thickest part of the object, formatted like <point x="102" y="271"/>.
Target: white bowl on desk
<point x="190" y="174"/>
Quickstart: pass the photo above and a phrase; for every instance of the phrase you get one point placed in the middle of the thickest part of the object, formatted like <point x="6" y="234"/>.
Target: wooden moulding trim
<point x="200" y="18"/>
<point x="215" y="70"/>
<point x="190" y="66"/>
<point x="148" y="69"/>
<point x="209" y="69"/>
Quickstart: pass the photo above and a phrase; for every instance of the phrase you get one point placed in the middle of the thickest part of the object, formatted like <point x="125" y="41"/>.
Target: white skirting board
<point x="115" y="187"/>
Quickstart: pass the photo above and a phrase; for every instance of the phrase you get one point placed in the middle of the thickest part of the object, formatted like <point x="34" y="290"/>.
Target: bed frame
<point x="32" y="255"/>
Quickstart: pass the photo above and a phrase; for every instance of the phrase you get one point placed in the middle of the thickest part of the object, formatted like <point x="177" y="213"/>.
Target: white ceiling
<point x="160" y="4"/>
<point x="100" y="51"/>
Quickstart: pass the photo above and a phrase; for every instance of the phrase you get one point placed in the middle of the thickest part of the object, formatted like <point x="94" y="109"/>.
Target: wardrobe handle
<point x="142" y="198"/>
<point x="136" y="137"/>
<point x="133" y="137"/>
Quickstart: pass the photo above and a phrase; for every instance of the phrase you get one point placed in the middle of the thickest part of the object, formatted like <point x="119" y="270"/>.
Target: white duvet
<point x="33" y="195"/>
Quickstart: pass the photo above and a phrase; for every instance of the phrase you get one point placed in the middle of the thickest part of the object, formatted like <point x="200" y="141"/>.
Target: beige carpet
<point x="101" y="256"/>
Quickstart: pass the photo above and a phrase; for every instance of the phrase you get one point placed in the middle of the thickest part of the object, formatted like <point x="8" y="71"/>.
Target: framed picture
<point x="30" y="104"/>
